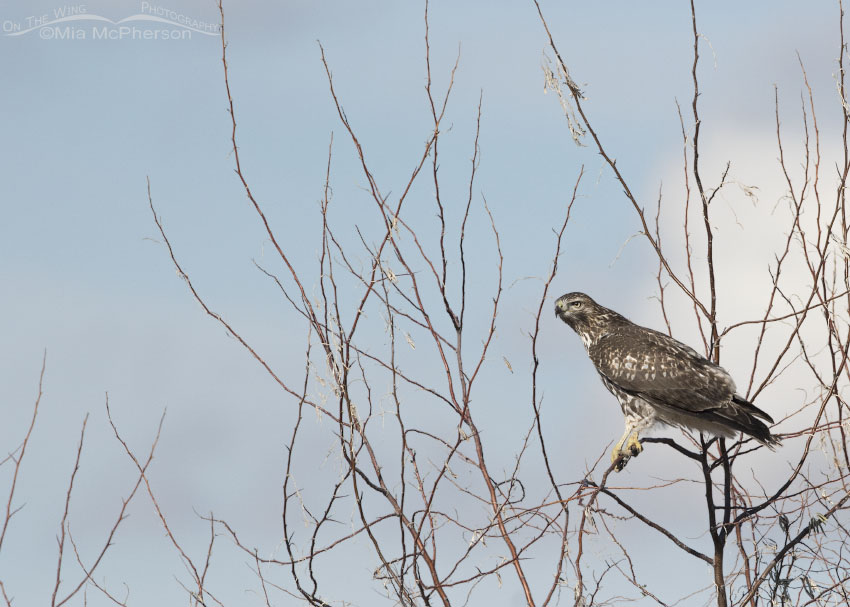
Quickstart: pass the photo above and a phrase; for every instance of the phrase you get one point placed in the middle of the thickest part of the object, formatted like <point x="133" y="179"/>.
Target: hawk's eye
<point x="575" y="305"/>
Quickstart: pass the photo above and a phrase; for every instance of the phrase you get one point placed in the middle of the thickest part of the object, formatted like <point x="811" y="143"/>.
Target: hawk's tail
<point x="746" y="419"/>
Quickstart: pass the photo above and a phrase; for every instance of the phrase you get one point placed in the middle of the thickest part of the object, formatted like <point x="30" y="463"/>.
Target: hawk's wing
<point x="661" y="370"/>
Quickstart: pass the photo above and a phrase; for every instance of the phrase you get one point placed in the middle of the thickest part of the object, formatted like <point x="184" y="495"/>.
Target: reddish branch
<point x="17" y="456"/>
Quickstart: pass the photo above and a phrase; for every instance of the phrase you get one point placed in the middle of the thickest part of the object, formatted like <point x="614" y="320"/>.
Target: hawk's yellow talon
<point x="619" y="457"/>
<point x="615" y="454"/>
<point x="633" y="446"/>
<point x="620" y="461"/>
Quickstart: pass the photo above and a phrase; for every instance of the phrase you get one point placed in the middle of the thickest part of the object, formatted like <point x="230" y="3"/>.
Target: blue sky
<point x="87" y="121"/>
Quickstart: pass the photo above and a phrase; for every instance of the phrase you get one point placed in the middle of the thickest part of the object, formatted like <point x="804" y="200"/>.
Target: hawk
<point x="658" y="379"/>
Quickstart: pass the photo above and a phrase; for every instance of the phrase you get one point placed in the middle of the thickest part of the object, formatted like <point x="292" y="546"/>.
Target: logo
<point x="75" y="22"/>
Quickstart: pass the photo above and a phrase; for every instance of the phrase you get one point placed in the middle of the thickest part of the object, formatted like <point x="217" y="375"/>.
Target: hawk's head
<point x="585" y="316"/>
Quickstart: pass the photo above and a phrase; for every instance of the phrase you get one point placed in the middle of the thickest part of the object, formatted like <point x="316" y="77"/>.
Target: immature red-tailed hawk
<point x="658" y="379"/>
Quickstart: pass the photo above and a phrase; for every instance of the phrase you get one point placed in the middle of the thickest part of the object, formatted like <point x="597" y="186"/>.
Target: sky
<point x="90" y="114"/>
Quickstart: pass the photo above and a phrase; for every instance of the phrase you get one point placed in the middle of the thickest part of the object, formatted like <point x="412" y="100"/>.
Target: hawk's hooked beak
<point x="559" y="309"/>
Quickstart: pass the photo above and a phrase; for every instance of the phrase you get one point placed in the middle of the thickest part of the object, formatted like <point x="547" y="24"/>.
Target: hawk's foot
<point x="619" y="458"/>
<point x="621" y="461"/>
<point x="633" y="446"/>
<point x="628" y="447"/>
